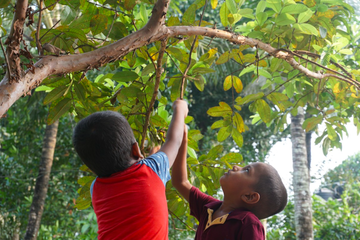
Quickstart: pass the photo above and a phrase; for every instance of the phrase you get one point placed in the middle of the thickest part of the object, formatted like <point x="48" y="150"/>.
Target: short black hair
<point x="103" y="141"/>
<point x="273" y="194"/>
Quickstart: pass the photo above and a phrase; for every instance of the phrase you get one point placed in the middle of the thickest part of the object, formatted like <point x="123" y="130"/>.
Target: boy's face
<point x="240" y="180"/>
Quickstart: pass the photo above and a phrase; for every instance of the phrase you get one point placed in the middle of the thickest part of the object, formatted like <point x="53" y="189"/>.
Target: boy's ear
<point x="251" y="198"/>
<point x="135" y="152"/>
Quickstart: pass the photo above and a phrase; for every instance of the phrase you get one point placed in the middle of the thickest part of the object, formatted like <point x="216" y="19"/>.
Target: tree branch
<point x="154" y="30"/>
<point x="14" y="40"/>
<point x="6" y="58"/>
<point x="155" y="93"/>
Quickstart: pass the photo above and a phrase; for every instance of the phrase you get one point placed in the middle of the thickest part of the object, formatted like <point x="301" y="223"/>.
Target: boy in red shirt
<point x="128" y="195"/>
<point x="251" y="193"/>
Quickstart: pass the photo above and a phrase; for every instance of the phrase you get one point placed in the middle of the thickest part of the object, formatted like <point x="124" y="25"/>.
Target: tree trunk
<point x="301" y="179"/>
<point x="42" y="181"/>
<point x="308" y="149"/>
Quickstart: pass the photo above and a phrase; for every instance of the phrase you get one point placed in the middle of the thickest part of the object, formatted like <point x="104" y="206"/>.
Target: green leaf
<point x="231" y="6"/>
<point x="305" y="16"/>
<point x="202" y="70"/>
<point x="98" y="24"/>
<point x="274" y="4"/>
<point x="224" y="133"/>
<point x="322" y="7"/>
<point x="260" y="7"/>
<point x="294" y="9"/>
<point x="217" y="124"/>
<point x="265" y="73"/>
<point x="310" y="123"/>
<point x="173" y="21"/>
<point x="223" y="58"/>
<point x="80" y="91"/>
<point x="131" y="91"/>
<point x="237" y="84"/>
<point x="228" y="83"/>
<point x="239" y="123"/>
<point x="125" y="76"/>
<point x="326" y="145"/>
<point x="261" y="18"/>
<point x="249" y="98"/>
<point x="323" y="32"/>
<point x="284" y="19"/>
<point x="67" y="15"/>
<point x="4" y="3"/>
<point x="224" y="12"/>
<point x="346" y="51"/>
<point x="215" y="151"/>
<point x="220" y="111"/>
<point x="143" y="13"/>
<point x="84" y="180"/>
<point x="56" y="93"/>
<point x="290" y="89"/>
<point x="263" y="109"/>
<point x="237" y="137"/>
<point x="119" y="30"/>
<point x="306" y="28"/>
<point x="57" y="111"/>
<point x="189" y="15"/>
<point x="83" y="204"/>
<point x="199" y="83"/>
<point x="234" y="158"/>
<point x="191" y="152"/>
<point x="331" y="132"/>
<point x="247" y="70"/>
<point x="214" y="3"/>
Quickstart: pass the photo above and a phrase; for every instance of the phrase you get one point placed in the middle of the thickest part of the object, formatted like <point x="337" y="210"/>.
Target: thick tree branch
<point x="14" y="40"/>
<point x="154" y="30"/>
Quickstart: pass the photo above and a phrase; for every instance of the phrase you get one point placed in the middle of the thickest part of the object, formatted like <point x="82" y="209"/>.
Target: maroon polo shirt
<point x="239" y="225"/>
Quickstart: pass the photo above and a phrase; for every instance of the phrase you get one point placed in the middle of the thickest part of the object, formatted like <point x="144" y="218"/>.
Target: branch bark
<point x="154" y="30"/>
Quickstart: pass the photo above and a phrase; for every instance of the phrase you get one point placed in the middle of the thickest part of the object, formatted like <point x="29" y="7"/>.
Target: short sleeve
<point x="159" y="163"/>
<point x="197" y="200"/>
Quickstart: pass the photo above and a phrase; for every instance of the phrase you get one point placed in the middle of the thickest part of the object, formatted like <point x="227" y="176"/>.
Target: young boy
<point x="250" y="193"/>
<point x="128" y="195"/>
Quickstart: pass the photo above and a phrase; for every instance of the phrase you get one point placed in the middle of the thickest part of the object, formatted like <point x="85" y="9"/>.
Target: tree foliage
<point x="136" y="57"/>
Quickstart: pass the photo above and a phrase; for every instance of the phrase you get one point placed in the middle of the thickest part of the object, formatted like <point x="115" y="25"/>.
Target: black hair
<point x="273" y="194"/>
<point x="103" y="141"/>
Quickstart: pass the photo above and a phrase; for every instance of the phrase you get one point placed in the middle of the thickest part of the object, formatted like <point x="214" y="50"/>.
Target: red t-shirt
<point x="239" y="225"/>
<point x="132" y="204"/>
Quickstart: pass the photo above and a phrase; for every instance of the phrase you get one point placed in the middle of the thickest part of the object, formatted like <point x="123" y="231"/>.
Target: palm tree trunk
<point x="42" y="181"/>
<point x="301" y="179"/>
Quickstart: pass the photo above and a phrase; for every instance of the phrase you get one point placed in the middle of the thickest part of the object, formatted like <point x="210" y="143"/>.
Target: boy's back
<point x="131" y="204"/>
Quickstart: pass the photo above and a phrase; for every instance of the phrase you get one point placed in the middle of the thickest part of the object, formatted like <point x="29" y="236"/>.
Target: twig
<point x="49" y="29"/>
<point x="173" y="214"/>
<point x="112" y="24"/>
<point x="155" y="93"/>
<point x="40" y="10"/>
<point x="190" y="53"/>
<point x="315" y="63"/>
<point x="108" y="8"/>
<point x="6" y="58"/>
<point x="38" y="43"/>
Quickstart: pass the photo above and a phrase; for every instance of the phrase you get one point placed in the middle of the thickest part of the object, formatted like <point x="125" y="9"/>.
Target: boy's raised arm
<point x="176" y="130"/>
<point x="179" y="176"/>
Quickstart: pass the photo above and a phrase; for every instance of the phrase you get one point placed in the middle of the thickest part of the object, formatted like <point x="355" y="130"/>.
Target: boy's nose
<point x="236" y="168"/>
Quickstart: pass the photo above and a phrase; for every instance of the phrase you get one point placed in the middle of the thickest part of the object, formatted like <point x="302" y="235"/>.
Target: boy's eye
<point x="247" y="169"/>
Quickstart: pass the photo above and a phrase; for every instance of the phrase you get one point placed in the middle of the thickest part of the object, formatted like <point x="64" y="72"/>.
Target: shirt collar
<point x="239" y="213"/>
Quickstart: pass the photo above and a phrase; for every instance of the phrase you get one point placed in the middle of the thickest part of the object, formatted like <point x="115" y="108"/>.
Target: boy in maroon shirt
<point x="251" y="193"/>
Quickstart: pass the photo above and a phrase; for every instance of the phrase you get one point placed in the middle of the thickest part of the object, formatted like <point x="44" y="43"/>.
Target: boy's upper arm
<point x="159" y="163"/>
<point x="170" y="148"/>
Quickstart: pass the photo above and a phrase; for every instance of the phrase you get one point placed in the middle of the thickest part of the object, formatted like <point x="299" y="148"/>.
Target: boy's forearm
<point x="179" y="175"/>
